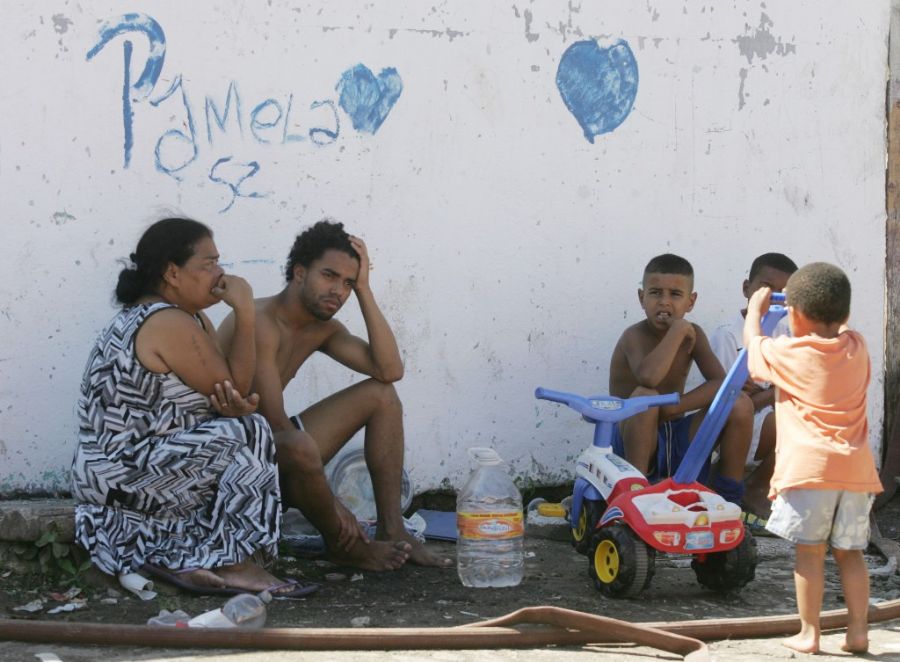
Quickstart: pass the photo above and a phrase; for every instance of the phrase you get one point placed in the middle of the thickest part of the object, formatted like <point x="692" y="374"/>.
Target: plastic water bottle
<point x="490" y="529"/>
<point x="247" y="610"/>
<point x="172" y="619"/>
<point x="244" y="610"/>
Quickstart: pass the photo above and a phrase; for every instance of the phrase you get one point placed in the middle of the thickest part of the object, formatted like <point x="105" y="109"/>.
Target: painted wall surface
<point x="512" y="167"/>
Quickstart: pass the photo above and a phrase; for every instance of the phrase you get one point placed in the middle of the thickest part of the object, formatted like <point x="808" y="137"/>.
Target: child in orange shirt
<point x="825" y="476"/>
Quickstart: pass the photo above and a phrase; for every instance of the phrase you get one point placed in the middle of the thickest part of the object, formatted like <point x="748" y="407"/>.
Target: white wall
<point x="507" y="246"/>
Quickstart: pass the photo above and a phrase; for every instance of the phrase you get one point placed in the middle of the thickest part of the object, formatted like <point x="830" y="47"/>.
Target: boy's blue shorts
<point x="672" y="442"/>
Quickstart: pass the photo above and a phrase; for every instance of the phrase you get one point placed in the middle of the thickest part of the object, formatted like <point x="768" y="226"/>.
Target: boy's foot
<point x="856" y="644"/>
<point x="377" y="555"/>
<point x="801" y="643"/>
<point x="419" y="554"/>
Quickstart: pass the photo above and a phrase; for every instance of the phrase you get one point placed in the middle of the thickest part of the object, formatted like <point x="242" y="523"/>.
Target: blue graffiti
<point x="189" y="140"/>
<point x="152" y="68"/>
<point x="220" y="119"/>
<point x="598" y="85"/>
<point x="367" y="99"/>
<point x="243" y="171"/>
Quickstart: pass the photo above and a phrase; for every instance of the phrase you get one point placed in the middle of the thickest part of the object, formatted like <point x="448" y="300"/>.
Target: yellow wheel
<point x="621" y="564"/>
<point x="606" y="561"/>
<point x="584" y="527"/>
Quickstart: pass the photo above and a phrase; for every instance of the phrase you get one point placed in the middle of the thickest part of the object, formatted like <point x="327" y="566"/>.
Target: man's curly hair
<point x="312" y="243"/>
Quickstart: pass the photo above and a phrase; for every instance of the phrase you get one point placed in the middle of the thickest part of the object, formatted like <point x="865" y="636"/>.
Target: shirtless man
<point x="654" y="357"/>
<point x="325" y="265"/>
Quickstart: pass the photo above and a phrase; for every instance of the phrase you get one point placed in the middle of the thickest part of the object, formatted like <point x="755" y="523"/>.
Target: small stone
<point x="360" y="621"/>
<point x="356" y="578"/>
<point x="335" y="577"/>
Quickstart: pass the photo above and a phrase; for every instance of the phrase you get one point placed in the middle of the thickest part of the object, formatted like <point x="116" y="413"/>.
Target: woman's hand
<point x="234" y="291"/>
<point x="227" y="401"/>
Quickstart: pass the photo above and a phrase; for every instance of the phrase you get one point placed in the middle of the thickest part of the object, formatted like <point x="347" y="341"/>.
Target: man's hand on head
<point x="362" y="280"/>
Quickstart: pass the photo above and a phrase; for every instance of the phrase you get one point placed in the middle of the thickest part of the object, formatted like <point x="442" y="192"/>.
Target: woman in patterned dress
<point x="173" y="472"/>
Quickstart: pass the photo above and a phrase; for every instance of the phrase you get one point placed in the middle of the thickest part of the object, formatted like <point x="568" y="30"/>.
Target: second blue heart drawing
<point x="368" y="99"/>
<point x="598" y="85"/>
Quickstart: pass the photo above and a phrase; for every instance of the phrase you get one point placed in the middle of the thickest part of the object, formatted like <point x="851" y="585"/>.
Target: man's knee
<point x="384" y="395"/>
<point x="297" y="452"/>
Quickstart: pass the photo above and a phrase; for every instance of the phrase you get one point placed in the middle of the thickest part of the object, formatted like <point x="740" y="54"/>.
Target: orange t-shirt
<point x="820" y="411"/>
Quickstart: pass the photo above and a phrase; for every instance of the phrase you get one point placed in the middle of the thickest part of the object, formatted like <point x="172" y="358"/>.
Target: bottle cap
<point x="485" y="455"/>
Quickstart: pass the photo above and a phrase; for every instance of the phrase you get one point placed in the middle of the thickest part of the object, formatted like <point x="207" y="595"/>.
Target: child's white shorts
<point x="814" y="517"/>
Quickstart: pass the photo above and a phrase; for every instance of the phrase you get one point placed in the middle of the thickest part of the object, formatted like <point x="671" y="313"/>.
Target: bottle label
<point x="490" y="526"/>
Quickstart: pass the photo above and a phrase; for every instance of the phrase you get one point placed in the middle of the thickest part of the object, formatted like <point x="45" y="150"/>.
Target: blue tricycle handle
<point x="604" y="411"/>
<point x="702" y="445"/>
<point x="597" y="408"/>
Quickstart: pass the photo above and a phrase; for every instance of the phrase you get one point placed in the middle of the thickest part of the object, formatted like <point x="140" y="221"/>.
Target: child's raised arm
<point x="756" y="308"/>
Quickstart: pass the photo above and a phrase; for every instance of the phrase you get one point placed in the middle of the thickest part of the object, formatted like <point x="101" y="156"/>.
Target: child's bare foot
<point x="418" y="553"/>
<point x="856" y="644"/>
<point x="802" y="643"/>
<point x="377" y="555"/>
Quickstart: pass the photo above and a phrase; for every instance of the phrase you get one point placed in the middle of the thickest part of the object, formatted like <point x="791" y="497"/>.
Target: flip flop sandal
<point x="172" y="577"/>
<point x="297" y="589"/>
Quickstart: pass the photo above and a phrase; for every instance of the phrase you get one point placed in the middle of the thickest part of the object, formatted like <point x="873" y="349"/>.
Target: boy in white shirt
<point x="770" y="270"/>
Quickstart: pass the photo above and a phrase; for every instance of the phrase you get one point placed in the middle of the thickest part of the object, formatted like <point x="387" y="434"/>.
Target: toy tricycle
<point x="620" y="521"/>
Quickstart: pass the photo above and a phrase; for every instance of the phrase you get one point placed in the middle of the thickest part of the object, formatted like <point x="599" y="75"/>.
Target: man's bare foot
<point x="418" y="553"/>
<point x="377" y="555"/>
<point x="856" y="644"/>
<point x="801" y="643"/>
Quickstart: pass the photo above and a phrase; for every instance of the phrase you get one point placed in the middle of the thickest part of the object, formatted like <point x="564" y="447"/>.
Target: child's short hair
<point x="669" y="263"/>
<point x="778" y="261"/>
<point x="821" y="291"/>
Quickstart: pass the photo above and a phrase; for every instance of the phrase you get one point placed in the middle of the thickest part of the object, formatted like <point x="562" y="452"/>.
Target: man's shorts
<point x="673" y="438"/>
<point x="814" y="517"/>
<point x="297" y="422"/>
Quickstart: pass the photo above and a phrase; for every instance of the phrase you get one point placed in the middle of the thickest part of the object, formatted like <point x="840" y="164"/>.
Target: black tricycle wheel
<point x="729" y="571"/>
<point x="621" y="564"/>
<point x="587" y="522"/>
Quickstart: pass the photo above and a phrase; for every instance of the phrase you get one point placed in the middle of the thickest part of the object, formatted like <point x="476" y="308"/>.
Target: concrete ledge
<point x="27" y="520"/>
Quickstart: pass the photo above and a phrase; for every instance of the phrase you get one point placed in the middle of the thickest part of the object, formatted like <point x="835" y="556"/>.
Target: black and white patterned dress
<point x="158" y="477"/>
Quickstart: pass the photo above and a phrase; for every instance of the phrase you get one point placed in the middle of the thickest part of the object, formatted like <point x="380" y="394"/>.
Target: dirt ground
<point x="426" y="597"/>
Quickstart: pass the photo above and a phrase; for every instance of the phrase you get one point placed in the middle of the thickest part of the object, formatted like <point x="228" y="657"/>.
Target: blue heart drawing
<point x="598" y="85"/>
<point x="367" y="99"/>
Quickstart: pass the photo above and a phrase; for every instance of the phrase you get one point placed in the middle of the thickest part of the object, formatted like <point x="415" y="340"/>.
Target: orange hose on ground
<point x="566" y="627"/>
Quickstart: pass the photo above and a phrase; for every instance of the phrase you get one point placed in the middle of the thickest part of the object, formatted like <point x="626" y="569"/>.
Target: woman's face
<point x="194" y="280"/>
